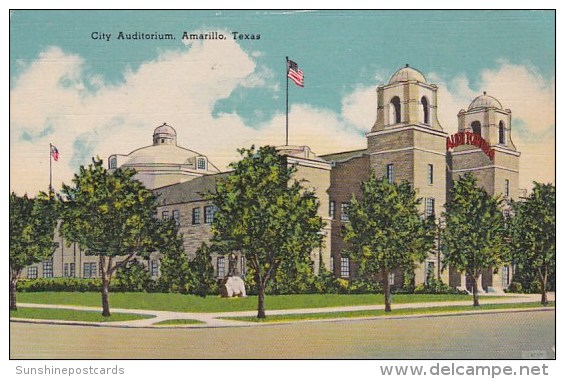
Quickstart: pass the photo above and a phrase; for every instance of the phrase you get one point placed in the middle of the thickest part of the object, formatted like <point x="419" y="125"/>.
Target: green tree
<point x="176" y="272"/>
<point x="265" y="214"/>
<point x="203" y="280"/>
<point x="475" y="235"/>
<point x="533" y="234"/>
<point x="32" y="227"/>
<point x="386" y="231"/>
<point x="133" y="276"/>
<point x="111" y="215"/>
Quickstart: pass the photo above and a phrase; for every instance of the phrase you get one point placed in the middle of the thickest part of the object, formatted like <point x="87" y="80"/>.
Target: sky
<point x="90" y="96"/>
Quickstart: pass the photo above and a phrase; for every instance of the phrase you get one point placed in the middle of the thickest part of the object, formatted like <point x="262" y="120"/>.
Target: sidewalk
<point x="213" y="320"/>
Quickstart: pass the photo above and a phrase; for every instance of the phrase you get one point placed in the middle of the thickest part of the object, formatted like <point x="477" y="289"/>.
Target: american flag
<point x="54" y="153"/>
<point x="295" y="73"/>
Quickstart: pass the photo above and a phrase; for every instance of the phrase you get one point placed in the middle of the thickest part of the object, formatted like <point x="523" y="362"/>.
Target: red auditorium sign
<point x="468" y="138"/>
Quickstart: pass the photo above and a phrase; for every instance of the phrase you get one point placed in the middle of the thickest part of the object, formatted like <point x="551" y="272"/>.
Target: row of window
<point x="89" y="270"/>
<point x="476" y="128"/>
<point x="396" y="110"/>
<point x="200" y="163"/>
<point x="209" y="211"/>
<point x="429" y="209"/>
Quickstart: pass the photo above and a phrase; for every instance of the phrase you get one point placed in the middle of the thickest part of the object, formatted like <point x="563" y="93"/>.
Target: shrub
<point x="59" y="284"/>
<point x="133" y="277"/>
<point x="363" y="285"/>
<point x="435" y="286"/>
<point x="515" y="287"/>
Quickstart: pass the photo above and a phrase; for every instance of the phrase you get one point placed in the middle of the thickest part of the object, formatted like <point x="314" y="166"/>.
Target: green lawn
<point x="73" y="315"/>
<point x="399" y="312"/>
<point x="190" y="303"/>
<point x="179" y="322"/>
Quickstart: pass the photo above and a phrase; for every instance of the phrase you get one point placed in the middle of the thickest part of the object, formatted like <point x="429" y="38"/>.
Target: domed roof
<point x="165" y="129"/>
<point x="160" y="154"/>
<point x="485" y="101"/>
<point x="407" y="73"/>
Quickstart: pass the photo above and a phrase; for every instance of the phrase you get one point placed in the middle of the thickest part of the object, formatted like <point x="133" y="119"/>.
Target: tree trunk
<point x="388" y="298"/>
<point x="13" y="283"/>
<point x="475" y="291"/>
<point x="261" y="300"/>
<point x="105" y="288"/>
<point x="543" y="281"/>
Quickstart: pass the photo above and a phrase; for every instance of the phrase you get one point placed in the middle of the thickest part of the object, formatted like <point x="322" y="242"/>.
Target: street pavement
<point x="214" y="320"/>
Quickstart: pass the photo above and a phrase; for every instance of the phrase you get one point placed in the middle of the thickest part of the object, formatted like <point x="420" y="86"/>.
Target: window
<point x="154" y="268"/>
<point x="176" y="216"/>
<point x="221" y="266"/>
<point x="506" y="188"/>
<point x="89" y="269"/>
<point x="48" y="269"/>
<point x="209" y="211"/>
<point x="344" y="215"/>
<point x="243" y="265"/>
<point x="201" y="164"/>
<point x="506" y="213"/>
<point x="505" y="276"/>
<point x="344" y="267"/>
<point x="113" y="163"/>
<point x="391" y="278"/>
<point x="66" y="270"/>
<point x="425" y="110"/>
<point x="390" y="172"/>
<point x="332" y="264"/>
<point x="430" y="271"/>
<point x="332" y="209"/>
<point x="430" y="207"/>
<point x="476" y="126"/>
<point x="72" y="270"/>
<point x="32" y="272"/>
<point x="165" y="215"/>
<point x="430" y="174"/>
<point x="395" y="110"/>
<point x="195" y="216"/>
<point x="501" y="135"/>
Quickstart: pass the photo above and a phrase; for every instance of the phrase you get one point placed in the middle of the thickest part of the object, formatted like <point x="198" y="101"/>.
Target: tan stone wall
<point x="346" y="178"/>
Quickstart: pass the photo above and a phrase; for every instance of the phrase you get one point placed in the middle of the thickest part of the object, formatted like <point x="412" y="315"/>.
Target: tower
<point x="497" y="173"/>
<point x="483" y="146"/>
<point x="407" y="143"/>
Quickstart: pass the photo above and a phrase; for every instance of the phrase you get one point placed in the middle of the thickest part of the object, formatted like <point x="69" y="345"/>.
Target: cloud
<point x="55" y="101"/>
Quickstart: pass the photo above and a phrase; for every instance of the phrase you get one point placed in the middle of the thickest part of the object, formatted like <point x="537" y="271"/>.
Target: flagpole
<point x="286" y="101"/>
<point x="50" y="170"/>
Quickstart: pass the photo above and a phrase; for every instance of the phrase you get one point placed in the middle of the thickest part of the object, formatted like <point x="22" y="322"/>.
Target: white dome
<point x="160" y="154"/>
<point x="407" y="74"/>
<point x="485" y="101"/>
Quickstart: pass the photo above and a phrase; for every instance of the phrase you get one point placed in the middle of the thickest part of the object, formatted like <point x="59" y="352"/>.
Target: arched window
<point x="395" y="110"/>
<point x="426" y="110"/>
<point x="476" y="126"/>
<point x="113" y="163"/>
<point x="501" y="134"/>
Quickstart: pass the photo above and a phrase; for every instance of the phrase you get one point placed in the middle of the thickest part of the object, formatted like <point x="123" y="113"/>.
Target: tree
<point x="265" y="214"/>
<point x="203" y="280"/>
<point x="386" y="231"/>
<point x="176" y="271"/>
<point x="32" y="227"/>
<point x="112" y="215"/>
<point x="533" y="233"/>
<point x="475" y="235"/>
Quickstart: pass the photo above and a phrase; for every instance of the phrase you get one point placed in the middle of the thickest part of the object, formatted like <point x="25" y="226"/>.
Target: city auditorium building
<point x="406" y="143"/>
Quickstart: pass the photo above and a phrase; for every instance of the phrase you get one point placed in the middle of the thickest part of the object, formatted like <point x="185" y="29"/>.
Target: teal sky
<point x="340" y="53"/>
<point x="337" y="50"/>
